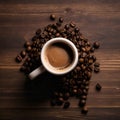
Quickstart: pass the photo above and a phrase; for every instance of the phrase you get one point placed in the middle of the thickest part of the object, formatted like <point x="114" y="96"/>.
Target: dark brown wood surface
<point x="99" y="20"/>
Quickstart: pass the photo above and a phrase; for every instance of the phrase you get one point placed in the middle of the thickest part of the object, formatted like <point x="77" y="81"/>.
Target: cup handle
<point x="36" y="72"/>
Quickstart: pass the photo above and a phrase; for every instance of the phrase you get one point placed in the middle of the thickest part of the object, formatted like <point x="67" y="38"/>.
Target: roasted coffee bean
<point x="76" y="29"/>
<point x="83" y="67"/>
<point x="38" y="31"/>
<point x="23" y="54"/>
<point x="49" y="33"/>
<point x="81" y="60"/>
<point x="98" y="87"/>
<point x="87" y="82"/>
<point x="84" y="110"/>
<point x="89" y="74"/>
<point x="96" y="69"/>
<point x="66" y="105"/>
<point x="60" y="101"/>
<point x="92" y="49"/>
<point x="96" y="64"/>
<point x="83" y="49"/>
<point x="90" y="61"/>
<point x="87" y="88"/>
<point x="74" y="91"/>
<point x="94" y="58"/>
<point x="83" y="97"/>
<point x="60" y="19"/>
<point x="27" y="43"/>
<point x="67" y="26"/>
<point x="73" y="33"/>
<point x="87" y="49"/>
<point x="28" y="49"/>
<point x="57" y="34"/>
<point x="72" y="24"/>
<point x="82" y="103"/>
<point x="78" y="68"/>
<point x="52" y="17"/>
<point x="54" y="32"/>
<point x="84" y="92"/>
<point x="28" y="59"/>
<point x="96" y="45"/>
<point x="18" y="58"/>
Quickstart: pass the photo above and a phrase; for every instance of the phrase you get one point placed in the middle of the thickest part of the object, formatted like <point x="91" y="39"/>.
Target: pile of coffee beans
<point x="76" y="83"/>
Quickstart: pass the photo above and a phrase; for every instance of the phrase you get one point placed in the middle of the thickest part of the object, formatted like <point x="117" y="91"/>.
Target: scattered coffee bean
<point x="84" y="110"/>
<point x="96" y="45"/>
<point x="38" y="31"/>
<point x="23" y="54"/>
<point x="28" y="49"/>
<point x="72" y="24"/>
<point x="57" y="34"/>
<point x="67" y="26"/>
<point x="83" y="97"/>
<point x="98" y="87"/>
<point x="78" y="68"/>
<point x="77" y="29"/>
<point x="74" y="91"/>
<point x="66" y="105"/>
<point x="81" y="60"/>
<point x="27" y="43"/>
<point x="96" y="64"/>
<point x="52" y="17"/>
<point x="60" y="19"/>
<point x="90" y="61"/>
<point x="82" y="103"/>
<point x="92" y="49"/>
<point x="94" y="58"/>
<point x="87" y="87"/>
<point x="96" y="69"/>
<point x="18" y="58"/>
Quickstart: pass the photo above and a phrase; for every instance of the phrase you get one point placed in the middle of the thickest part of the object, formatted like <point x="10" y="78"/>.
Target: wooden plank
<point x="103" y="56"/>
<point x="81" y="6"/>
<point x="58" y="114"/>
<point x="98" y="20"/>
<point x="15" y="92"/>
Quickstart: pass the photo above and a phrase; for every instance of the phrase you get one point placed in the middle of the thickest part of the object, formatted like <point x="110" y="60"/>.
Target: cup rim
<point x="55" y="71"/>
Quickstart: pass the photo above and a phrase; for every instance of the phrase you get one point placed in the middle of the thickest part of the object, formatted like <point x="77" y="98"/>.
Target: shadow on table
<point x="41" y="88"/>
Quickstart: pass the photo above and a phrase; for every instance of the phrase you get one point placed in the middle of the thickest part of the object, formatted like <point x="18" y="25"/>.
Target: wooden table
<point x="98" y="21"/>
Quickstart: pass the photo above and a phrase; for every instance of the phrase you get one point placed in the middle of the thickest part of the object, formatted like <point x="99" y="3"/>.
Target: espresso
<point x="59" y="55"/>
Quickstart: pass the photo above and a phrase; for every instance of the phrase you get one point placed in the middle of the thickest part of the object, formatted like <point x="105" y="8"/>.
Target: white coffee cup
<point x="46" y="65"/>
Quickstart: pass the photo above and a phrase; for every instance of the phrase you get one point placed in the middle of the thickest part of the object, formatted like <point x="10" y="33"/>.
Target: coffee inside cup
<point x="59" y="55"/>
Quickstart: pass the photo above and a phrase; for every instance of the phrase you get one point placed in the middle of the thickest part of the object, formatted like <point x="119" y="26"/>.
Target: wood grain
<point x="98" y="21"/>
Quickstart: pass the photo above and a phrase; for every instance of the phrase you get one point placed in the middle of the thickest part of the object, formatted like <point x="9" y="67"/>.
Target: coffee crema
<point x="59" y="55"/>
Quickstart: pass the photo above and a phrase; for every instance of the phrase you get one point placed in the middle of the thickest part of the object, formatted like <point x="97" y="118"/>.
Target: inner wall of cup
<point x="56" y="70"/>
